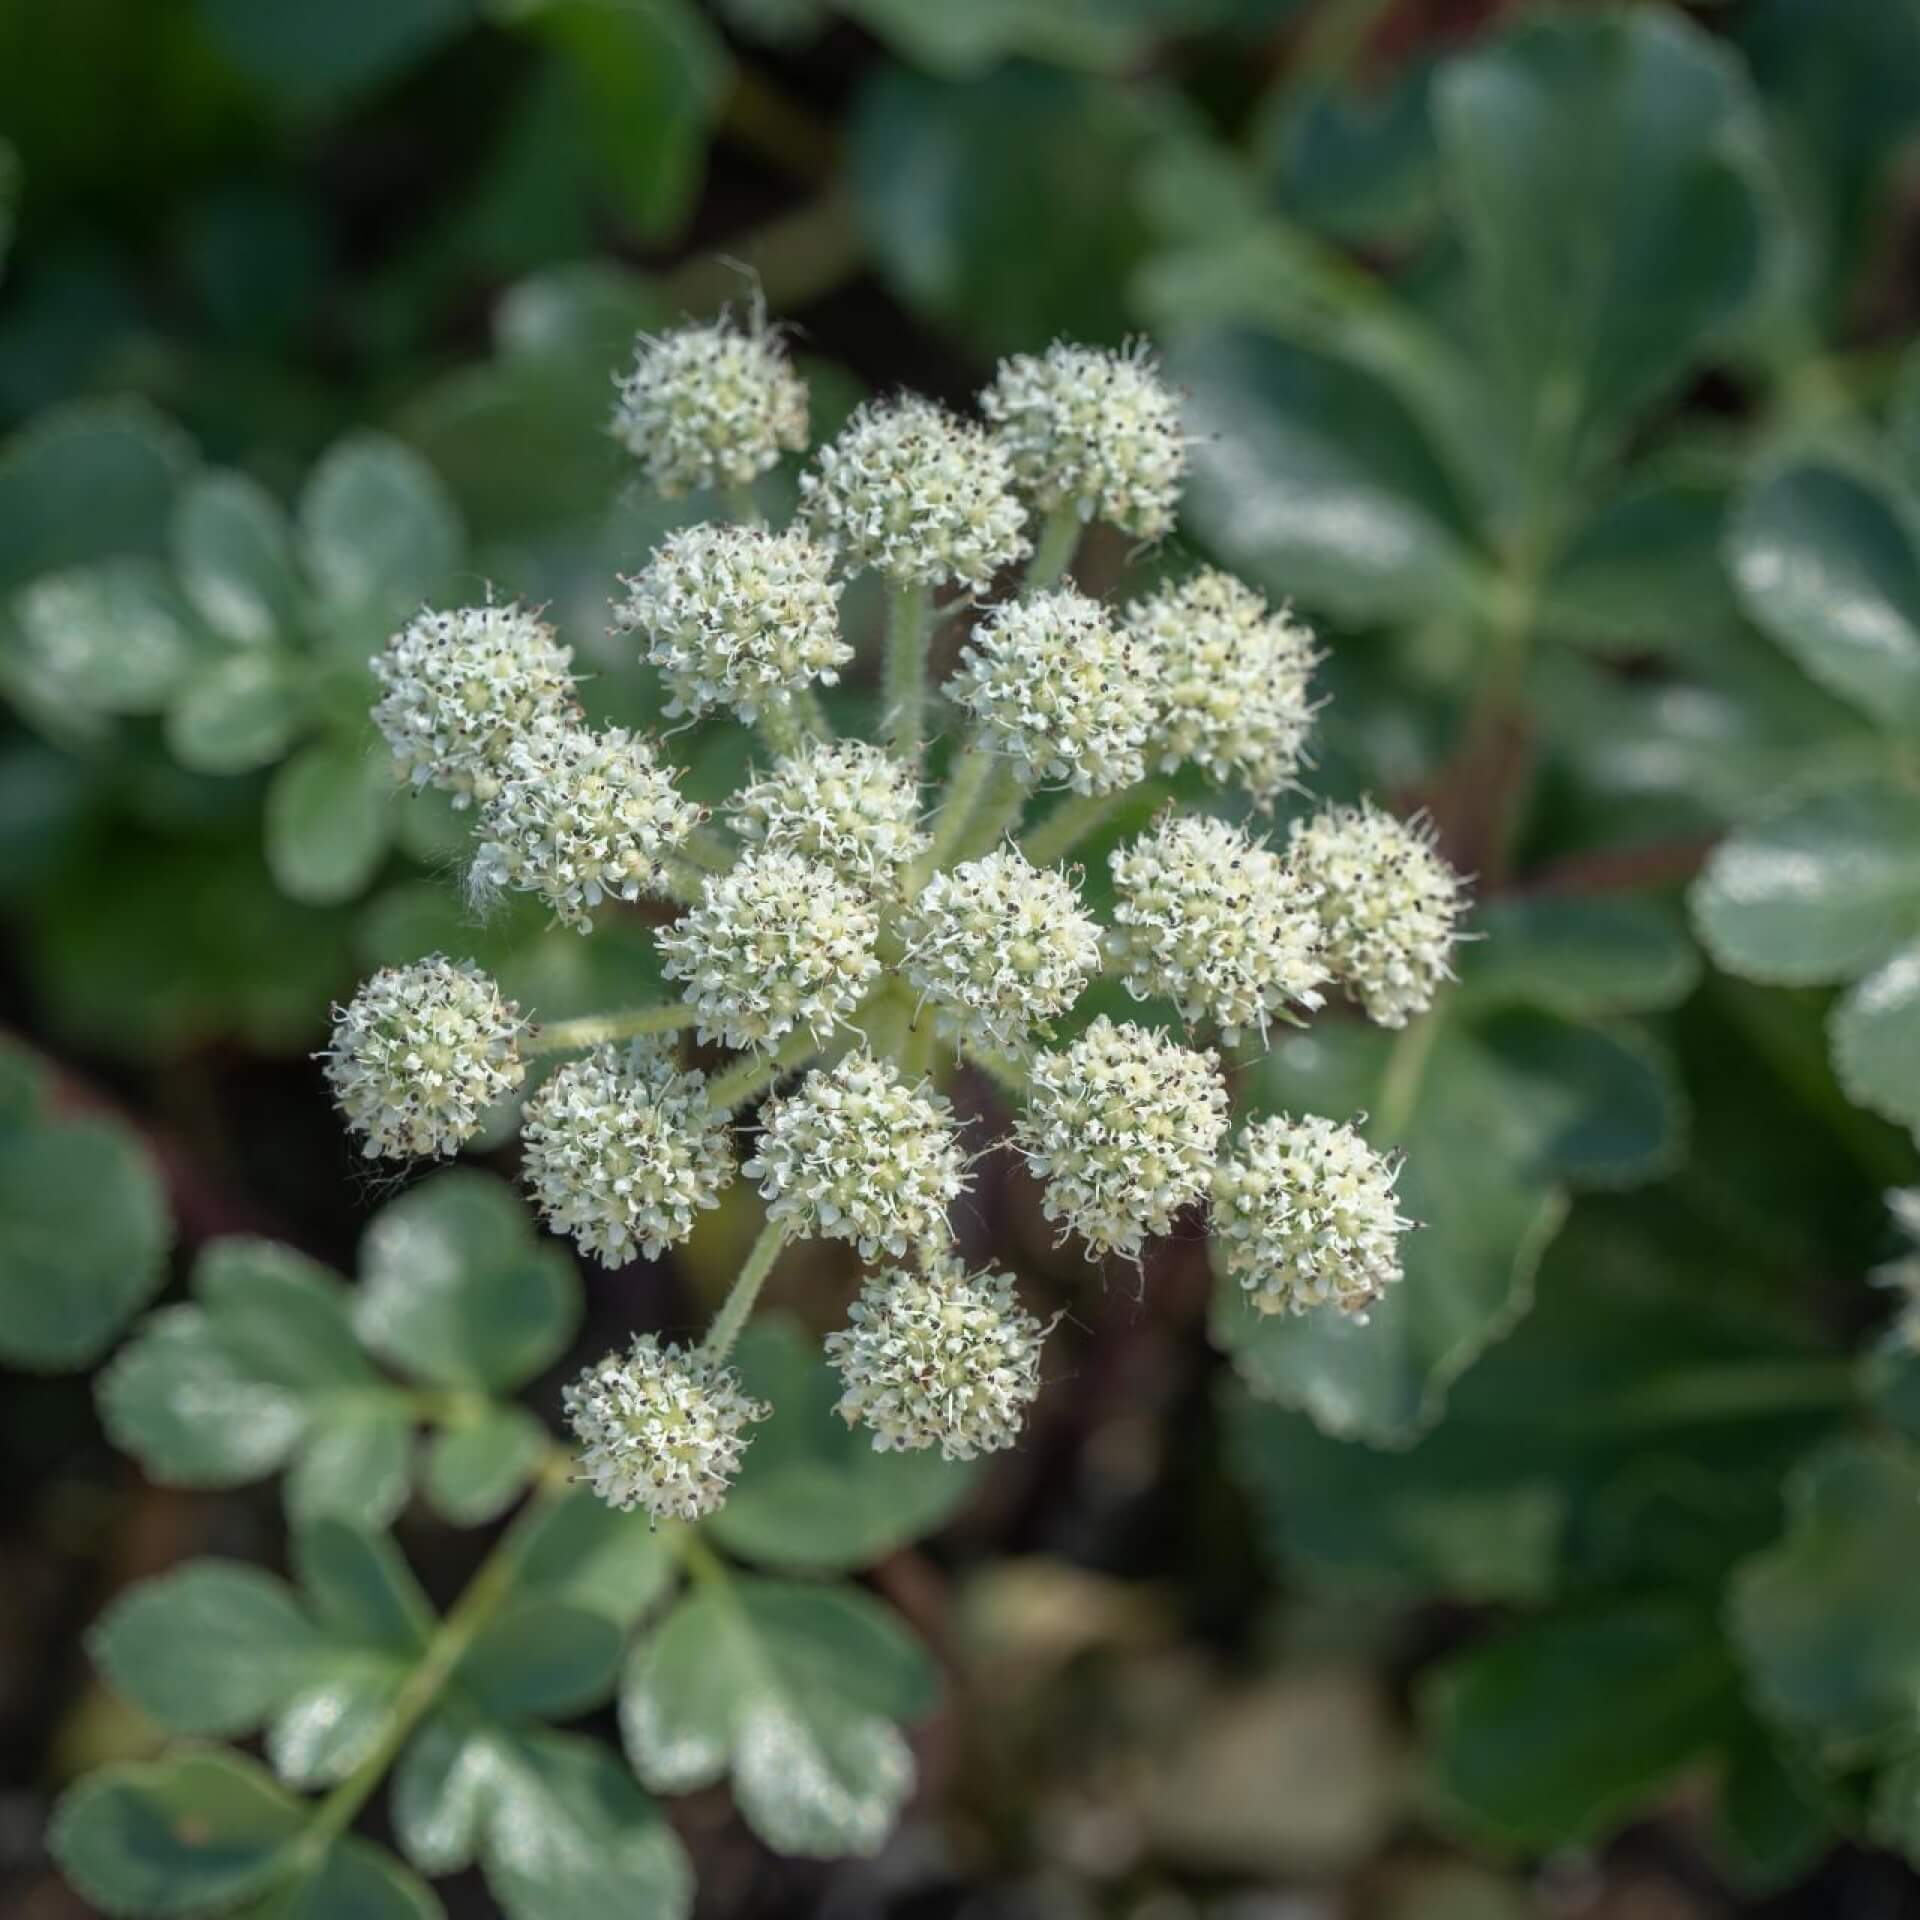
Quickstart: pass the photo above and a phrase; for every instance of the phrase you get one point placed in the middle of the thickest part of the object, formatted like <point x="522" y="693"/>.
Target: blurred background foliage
<point x="1554" y="361"/>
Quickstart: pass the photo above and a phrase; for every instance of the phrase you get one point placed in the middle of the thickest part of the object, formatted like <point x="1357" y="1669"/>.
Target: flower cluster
<point x="945" y="1359"/>
<point x="460" y="690"/>
<point x="710" y="406"/>
<point x="661" y="1428"/>
<point x="860" y="936"/>
<point x="419" y="1054"/>
<point x="737" y="617"/>
<point x="580" y="817"/>
<point x="1217" y="923"/>
<point x="1092" y="431"/>
<point x="622" y="1150"/>
<point x="1305" y="1216"/>
<point x="855" y="1154"/>
<point x="999" y="946"/>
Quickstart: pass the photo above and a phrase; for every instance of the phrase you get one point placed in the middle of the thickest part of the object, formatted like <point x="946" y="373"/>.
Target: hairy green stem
<point x="904" y="688"/>
<point x="1002" y="1069"/>
<point x="745" y="1290"/>
<point x="741" y="505"/>
<point x="966" y="780"/>
<point x="752" y="1076"/>
<point x="708" y="850"/>
<point x="997" y="813"/>
<point x="779" y="726"/>
<point x="1053" y="551"/>
<point x="1069" y="823"/>
<point x="682" y="881"/>
<point x="570" y="1036"/>
<point x="483" y="1598"/>
<point x="1403" y="1076"/>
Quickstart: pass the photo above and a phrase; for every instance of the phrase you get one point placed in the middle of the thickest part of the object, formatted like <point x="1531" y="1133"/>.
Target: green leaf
<point x="560" y="1828"/>
<point x="1576" y="955"/>
<point x="1314" y="479"/>
<point x="964" y="41"/>
<point x="84" y="1232"/>
<point x="234" y="554"/>
<point x="456" y="1290"/>
<point x="1512" y="1106"/>
<point x="1002" y="209"/>
<point x="212" y="1647"/>
<point x="329" y="820"/>
<point x="1644" y="574"/>
<point x="359" y="1587"/>
<point x="1604" y="172"/>
<point x="322" y="61"/>
<point x="238" y="713"/>
<point x="354" y="1880"/>
<point x="114" y="637"/>
<point x="356" y="1466"/>
<point x="194" y="1831"/>
<point x="794" y="1691"/>
<point x="377" y="531"/>
<point x="1829" y="1645"/>
<point x="541" y="1659"/>
<point x="1551" y="1733"/>
<point x="1826" y="564"/>
<point x="322" y="1733"/>
<point x="650" y="77"/>
<point x="813" y="1494"/>
<point x="1876" y="1040"/>
<point x="584" y="1553"/>
<point x="84" y="482"/>
<point x="1631" y="1430"/>
<point x="474" y="1472"/>
<point x="1825" y="889"/>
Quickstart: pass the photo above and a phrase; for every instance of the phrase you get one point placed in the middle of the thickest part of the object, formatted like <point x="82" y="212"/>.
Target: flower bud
<point x="710" y="406"/>
<point x="775" y="943"/>
<point x="458" y="689"/>
<point x="621" y="1152"/>
<point x="661" y="1427"/>
<point x="999" y="946"/>
<point x="1122" y="1126"/>
<point x="1093" y="430"/>
<point x="1217" y="923"/>
<point x="947" y="1358"/>
<point x="1388" y="904"/>
<point x="419" y="1054"/>
<point x="1304" y="1215"/>
<point x="580" y="817"/>
<point x="854" y="1154"/>
<point x="1232" y="681"/>
<point x="736" y="617"/>
<point x="1052" y="686"/>
<point x="917" y="494"/>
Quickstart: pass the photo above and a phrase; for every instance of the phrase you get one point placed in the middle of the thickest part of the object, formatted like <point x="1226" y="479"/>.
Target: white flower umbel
<point x="621" y="1151"/>
<point x="1053" y="686"/>
<point x="999" y="946"/>
<point x="945" y="1359"/>
<point x="917" y="494"/>
<point x="1216" y="922"/>
<point x="662" y="1428"/>
<point x="853" y="1153"/>
<point x="580" y="817"/>
<point x="1233" y="681"/>
<point x="1121" y="1127"/>
<point x="710" y="406"/>
<point x="1388" y="903"/>
<point x="419" y="1054"/>
<point x="458" y="689"/>
<point x="1305" y="1216"/>
<point x="775" y="943"/>
<point x="844" y="803"/>
<point x="1094" y="430"/>
<point x="736" y="617"/>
